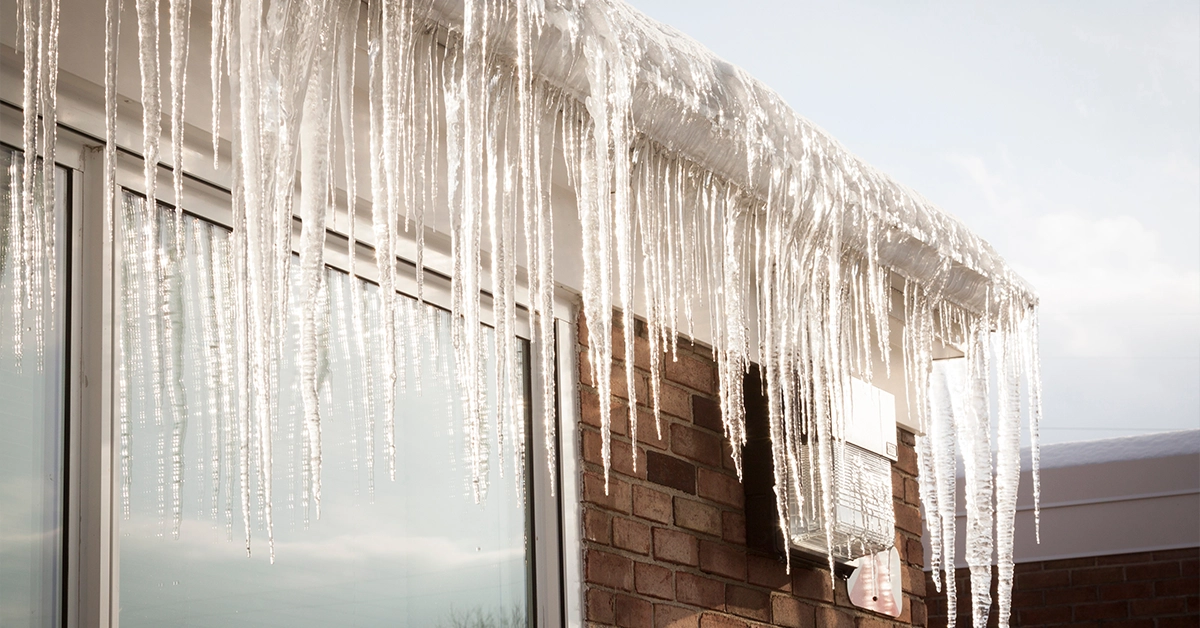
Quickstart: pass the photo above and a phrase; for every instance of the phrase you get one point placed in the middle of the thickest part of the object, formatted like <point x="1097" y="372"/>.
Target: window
<point x="417" y="551"/>
<point x="33" y="358"/>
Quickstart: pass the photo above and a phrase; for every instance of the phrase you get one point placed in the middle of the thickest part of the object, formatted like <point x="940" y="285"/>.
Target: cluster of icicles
<point x="697" y="188"/>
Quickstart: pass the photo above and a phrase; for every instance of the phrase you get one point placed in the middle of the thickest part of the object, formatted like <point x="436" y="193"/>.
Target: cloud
<point x="1107" y="287"/>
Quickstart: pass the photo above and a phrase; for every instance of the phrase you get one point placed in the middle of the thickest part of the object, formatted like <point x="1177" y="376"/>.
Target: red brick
<point x="733" y="528"/>
<point x="1176" y="622"/>
<point x="1152" y="607"/>
<point x="675" y="547"/>
<point x="813" y="584"/>
<point x="699" y="591"/>
<point x="631" y="535"/>
<point x="675" y="401"/>
<point x="727" y="462"/>
<point x="1103" y="610"/>
<point x="706" y="413"/>
<point x="697" y="516"/>
<point x="768" y="572"/>
<point x="670" y="471"/>
<point x="1045" y="616"/>
<point x="651" y="504"/>
<point x="915" y="609"/>
<point x="712" y="620"/>
<point x="906" y="460"/>
<point x="1127" y="591"/>
<point x="912" y="580"/>
<point x="872" y="622"/>
<point x="1126" y="559"/>
<point x="1043" y="580"/>
<point x="914" y="552"/>
<point x="599" y="606"/>
<point x="723" y="560"/>
<point x="597" y="525"/>
<point x="622" y="459"/>
<point x="632" y="612"/>
<point x="1097" y="575"/>
<point x="618" y="497"/>
<point x="698" y="445"/>
<point x="827" y="617"/>
<point x="720" y="487"/>
<point x="1182" y="586"/>
<point x="609" y="570"/>
<point x="1069" y="563"/>
<point x="654" y="580"/>
<point x="789" y="612"/>
<point x="589" y="411"/>
<point x="750" y="603"/>
<point x="912" y="491"/>
<point x="1152" y="571"/>
<point x="667" y="616"/>
<point x="1073" y="595"/>
<point x="1026" y="599"/>
<point x="1178" y="554"/>
<point x="1130" y="623"/>
<point x="908" y="519"/>
<point x="690" y="371"/>
<point x="621" y="389"/>
<point x="1189" y="567"/>
<point x="647" y="430"/>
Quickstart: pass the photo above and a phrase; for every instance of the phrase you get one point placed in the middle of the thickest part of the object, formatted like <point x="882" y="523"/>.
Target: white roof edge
<point x="734" y="125"/>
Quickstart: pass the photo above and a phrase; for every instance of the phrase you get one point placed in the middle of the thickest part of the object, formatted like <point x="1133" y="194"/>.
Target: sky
<point x="1066" y="134"/>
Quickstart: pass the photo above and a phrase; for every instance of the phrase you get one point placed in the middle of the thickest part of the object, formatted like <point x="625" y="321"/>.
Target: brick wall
<point x="666" y="547"/>
<point x="1143" y="590"/>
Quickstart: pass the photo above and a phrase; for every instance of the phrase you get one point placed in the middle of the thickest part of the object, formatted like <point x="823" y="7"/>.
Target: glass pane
<point x="32" y="379"/>
<point x="417" y="551"/>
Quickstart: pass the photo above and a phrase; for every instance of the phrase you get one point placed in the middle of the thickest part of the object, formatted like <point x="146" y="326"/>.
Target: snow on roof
<point x="1141" y="447"/>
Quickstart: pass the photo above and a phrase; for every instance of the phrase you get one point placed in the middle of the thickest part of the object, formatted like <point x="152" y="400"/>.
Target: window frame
<point x="91" y="591"/>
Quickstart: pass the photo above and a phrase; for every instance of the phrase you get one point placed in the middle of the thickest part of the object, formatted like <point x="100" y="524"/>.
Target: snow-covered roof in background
<point x="1141" y="447"/>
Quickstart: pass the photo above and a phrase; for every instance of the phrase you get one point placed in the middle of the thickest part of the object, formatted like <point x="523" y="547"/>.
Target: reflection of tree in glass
<point x="476" y="618"/>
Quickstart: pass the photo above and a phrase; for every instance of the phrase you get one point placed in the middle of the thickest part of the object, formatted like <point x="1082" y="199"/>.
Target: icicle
<point x="346" y="55"/>
<point x="543" y="147"/>
<point x="806" y="252"/>
<point x="943" y="439"/>
<point x="112" y="30"/>
<point x="180" y="17"/>
<point x="380" y="28"/>
<point x="473" y="93"/>
<point x="1008" y="456"/>
<point x="218" y="39"/>
<point x="48" y="94"/>
<point x="147" y="12"/>
<point x="170" y="293"/>
<point x="315" y="129"/>
<point x="1033" y="383"/>
<point x="974" y="439"/>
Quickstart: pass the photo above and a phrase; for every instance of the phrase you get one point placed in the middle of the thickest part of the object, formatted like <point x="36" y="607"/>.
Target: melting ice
<point x="698" y="190"/>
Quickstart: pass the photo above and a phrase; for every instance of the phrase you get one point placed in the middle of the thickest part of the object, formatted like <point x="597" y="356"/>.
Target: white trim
<point x="568" y="470"/>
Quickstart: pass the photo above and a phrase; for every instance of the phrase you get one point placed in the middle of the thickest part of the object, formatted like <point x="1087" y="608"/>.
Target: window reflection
<point x="32" y="387"/>
<point x="414" y="552"/>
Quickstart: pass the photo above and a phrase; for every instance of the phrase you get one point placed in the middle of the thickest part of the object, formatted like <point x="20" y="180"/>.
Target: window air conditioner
<point x="863" y="518"/>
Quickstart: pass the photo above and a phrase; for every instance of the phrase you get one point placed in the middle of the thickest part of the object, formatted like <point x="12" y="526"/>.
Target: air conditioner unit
<point x="863" y="519"/>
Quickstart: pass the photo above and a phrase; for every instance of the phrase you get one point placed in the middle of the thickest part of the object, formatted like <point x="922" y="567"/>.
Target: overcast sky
<point x="1066" y="134"/>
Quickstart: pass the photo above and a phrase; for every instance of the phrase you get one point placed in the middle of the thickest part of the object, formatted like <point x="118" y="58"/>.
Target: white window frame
<point x="91" y="592"/>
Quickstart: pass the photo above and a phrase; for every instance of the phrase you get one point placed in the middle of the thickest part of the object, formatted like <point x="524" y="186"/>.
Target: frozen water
<point x="691" y="178"/>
